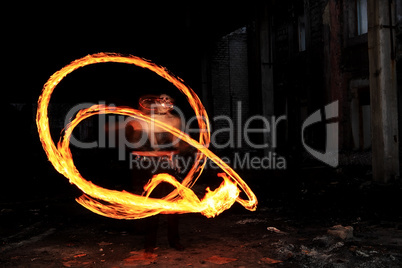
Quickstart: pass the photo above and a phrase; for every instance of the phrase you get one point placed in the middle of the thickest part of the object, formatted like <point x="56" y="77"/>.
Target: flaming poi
<point x="125" y="205"/>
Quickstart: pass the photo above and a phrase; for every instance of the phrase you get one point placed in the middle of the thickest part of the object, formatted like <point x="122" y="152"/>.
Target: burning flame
<point x="125" y="205"/>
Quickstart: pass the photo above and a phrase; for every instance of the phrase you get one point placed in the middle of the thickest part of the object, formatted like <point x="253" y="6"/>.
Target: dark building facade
<point x="302" y="56"/>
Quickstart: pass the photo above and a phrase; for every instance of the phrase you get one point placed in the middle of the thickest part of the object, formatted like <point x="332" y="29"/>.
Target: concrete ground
<point x="289" y="229"/>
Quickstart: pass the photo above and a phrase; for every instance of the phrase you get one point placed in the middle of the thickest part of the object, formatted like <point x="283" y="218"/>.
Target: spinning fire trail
<point x="125" y="205"/>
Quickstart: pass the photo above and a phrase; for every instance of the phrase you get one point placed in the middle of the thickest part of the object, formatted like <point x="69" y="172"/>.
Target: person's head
<point x="161" y="104"/>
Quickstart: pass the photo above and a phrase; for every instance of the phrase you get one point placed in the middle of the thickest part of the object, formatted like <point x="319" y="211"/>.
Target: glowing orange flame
<point x="125" y="205"/>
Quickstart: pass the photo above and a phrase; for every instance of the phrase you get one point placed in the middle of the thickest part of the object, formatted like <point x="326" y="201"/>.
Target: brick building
<point x="293" y="59"/>
<point x="229" y="85"/>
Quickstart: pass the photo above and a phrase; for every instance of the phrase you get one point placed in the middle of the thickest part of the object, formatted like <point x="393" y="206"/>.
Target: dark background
<point x="38" y="40"/>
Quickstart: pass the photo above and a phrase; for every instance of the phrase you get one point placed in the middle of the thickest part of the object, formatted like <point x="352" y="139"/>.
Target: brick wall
<point x="229" y="82"/>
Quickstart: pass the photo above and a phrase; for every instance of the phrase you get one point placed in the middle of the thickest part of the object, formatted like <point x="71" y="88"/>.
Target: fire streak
<point x="125" y="205"/>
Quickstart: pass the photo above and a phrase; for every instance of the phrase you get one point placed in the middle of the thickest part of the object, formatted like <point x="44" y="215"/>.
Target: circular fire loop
<point x="125" y="205"/>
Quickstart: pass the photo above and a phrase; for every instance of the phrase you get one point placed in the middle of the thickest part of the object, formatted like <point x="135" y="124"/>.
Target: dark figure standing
<point x="155" y="154"/>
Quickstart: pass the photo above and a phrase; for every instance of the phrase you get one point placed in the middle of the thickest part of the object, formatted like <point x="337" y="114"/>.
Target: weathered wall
<point x="229" y="82"/>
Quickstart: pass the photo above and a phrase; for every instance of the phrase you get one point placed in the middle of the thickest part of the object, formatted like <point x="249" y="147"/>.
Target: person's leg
<point x="173" y="231"/>
<point x="140" y="177"/>
<point x="151" y="232"/>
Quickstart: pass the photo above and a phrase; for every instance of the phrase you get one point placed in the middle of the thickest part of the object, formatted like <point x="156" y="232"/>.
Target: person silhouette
<point x="155" y="154"/>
